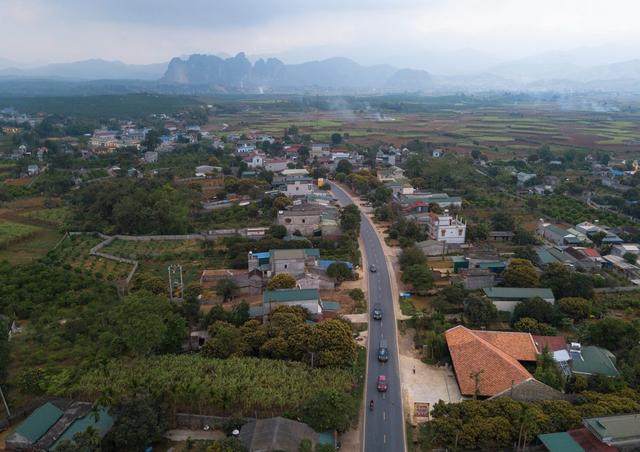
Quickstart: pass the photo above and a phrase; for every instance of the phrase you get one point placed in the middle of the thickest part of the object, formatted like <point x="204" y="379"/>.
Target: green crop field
<point x="11" y="232"/>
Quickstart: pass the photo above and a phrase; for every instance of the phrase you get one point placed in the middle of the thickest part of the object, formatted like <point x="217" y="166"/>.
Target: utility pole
<point x="176" y="285"/>
<point x="6" y="407"/>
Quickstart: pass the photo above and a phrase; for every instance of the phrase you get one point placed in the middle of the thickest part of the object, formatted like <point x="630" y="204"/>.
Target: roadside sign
<point x="421" y="410"/>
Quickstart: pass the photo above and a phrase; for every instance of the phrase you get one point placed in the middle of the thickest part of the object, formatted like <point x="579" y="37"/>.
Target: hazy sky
<point x="400" y="32"/>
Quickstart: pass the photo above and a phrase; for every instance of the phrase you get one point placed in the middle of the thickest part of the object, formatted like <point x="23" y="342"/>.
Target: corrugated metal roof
<point x="39" y="422"/>
<point x="284" y="295"/>
<point x="595" y="360"/>
<point x="518" y="293"/>
<point x="560" y="442"/>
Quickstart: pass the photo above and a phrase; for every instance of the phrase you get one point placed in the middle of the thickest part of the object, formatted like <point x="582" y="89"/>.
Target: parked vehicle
<point x="382" y="383"/>
<point x="377" y="312"/>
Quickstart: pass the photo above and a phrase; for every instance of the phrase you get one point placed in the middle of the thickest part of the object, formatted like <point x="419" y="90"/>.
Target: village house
<point x="108" y="139"/>
<point x="556" y="234"/>
<point x="489" y="363"/>
<point x="506" y="298"/>
<point x="275" y="165"/>
<point x="305" y="298"/>
<point x="150" y="157"/>
<point x="446" y="228"/>
<point x="319" y="150"/>
<point x="625" y="248"/>
<point x="56" y="421"/>
<point x="254" y="159"/>
<point x="303" y="218"/>
<point x="298" y="188"/>
<point x="245" y="148"/>
<point x="248" y="282"/>
<point x="606" y="433"/>
<point x="587" y="361"/>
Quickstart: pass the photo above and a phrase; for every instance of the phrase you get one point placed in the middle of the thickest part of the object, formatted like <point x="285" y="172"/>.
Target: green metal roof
<point x="100" y="421"/>
<point x="544" y="256"/>
<point x="518" y="293"/>
<point x="39" y="422"/>
<point x="285" y="295"/>
<point x="330" y="305"/>
<point x="560" y="442"/>
<point x="595" y="361"/>
<point x="612" y="429"/>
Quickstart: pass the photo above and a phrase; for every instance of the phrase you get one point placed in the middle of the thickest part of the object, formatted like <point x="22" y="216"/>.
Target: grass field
<point x="56" y="216"/>
<point x="11" y="232"/>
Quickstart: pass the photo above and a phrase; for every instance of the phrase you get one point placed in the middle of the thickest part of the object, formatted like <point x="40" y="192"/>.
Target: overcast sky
<point x="401" y="32"/>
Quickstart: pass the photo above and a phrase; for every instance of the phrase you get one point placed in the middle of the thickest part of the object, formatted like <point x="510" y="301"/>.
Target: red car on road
<point x="382" y="383"/>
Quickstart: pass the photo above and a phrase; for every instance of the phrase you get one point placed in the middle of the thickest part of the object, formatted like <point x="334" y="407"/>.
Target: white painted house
<point x="446" y="228"/>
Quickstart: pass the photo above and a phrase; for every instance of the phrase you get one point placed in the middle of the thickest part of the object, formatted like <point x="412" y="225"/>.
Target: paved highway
<point x="384" y="426"/>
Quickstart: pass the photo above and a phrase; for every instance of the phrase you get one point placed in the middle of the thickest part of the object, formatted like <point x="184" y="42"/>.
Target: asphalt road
<point x="384" y="426"/>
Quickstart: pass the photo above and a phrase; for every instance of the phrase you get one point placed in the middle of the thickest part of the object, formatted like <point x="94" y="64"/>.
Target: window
<point x="303" y="220"/>
<point x="459" y="231"/>
<point x="287" y="220"/>
<point x="442" y="232"/>
<point x="285" y="266"/>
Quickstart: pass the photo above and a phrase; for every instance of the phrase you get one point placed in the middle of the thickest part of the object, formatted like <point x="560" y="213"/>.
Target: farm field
<point x="496" y="131"/>
<point x="155" y="256"/>
<point x="74" y="251"/>
<point x="11" y="232"/>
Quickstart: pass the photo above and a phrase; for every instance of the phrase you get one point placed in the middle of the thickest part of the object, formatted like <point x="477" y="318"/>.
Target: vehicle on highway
<point x="377" y="312"/>
<point x="372" y="268"/>
<point x="371" y="405"/>
<point x="383" y="352"/>
<point x="382" y="383"/>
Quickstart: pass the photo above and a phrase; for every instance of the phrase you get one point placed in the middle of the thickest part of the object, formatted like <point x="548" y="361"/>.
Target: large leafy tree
<point x="281" y="281"/>
<point x="329" y="410"/>
<point x="521" y="273"/>
<point x="420" y="278"/>
<point x="480" y="310"/>
<point x="535" y="308"/>
<point x="145" y="324"/>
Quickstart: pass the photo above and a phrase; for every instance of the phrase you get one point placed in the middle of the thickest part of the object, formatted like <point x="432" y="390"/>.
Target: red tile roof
<point x="553" y="343"/>
<point x="472" y="355"/>
<point x="517" y="345"/>
<point x="589" y="442"/>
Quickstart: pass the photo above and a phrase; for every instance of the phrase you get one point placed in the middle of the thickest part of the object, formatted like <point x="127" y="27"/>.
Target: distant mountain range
<point x="95" y="69"/>
<point x="197" y="74"/>
<point x="272" y="74"/>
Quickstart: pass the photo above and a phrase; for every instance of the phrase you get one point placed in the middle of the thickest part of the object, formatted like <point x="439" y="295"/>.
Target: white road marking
<point x="384" y="438"/>
<point x="384" y="415"/>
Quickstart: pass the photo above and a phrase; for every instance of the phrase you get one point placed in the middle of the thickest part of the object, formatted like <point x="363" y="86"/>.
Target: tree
<point x="339" y="271"/>
<point x="227" y="289"/>
<point x="535" y="308"/>
<point x="480" y="310"/>
<point x="85" y="441"/>
<point x="547" y="372"/>
<point x="329" y="410"/>
<point x="344" y="166"/>
<point x="350" y="219"/>
<point x="336" y="138"/>
<point x="529" y="325"/>
<point x="145" y="324"/>
<point x="521" y="273"/>
<point x="420" y="278"/>
<point x="503" y="221"/>
<point x="334" y="343"/>
<point x="226" y="340"/>
<point x="139" y="422"/>
<point x="152" y="140"/>
<point x="613" y="334"/>
<point x="281" y="281"/>
<point x="566" y="283"/>
<point x="410" y="256"/>
<point x="575" y="307"/>
<point x="475" y="154"/>
<point x="477" y="231"/>
<point x="630" y="258"/>
<point x="278" y="231"/>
